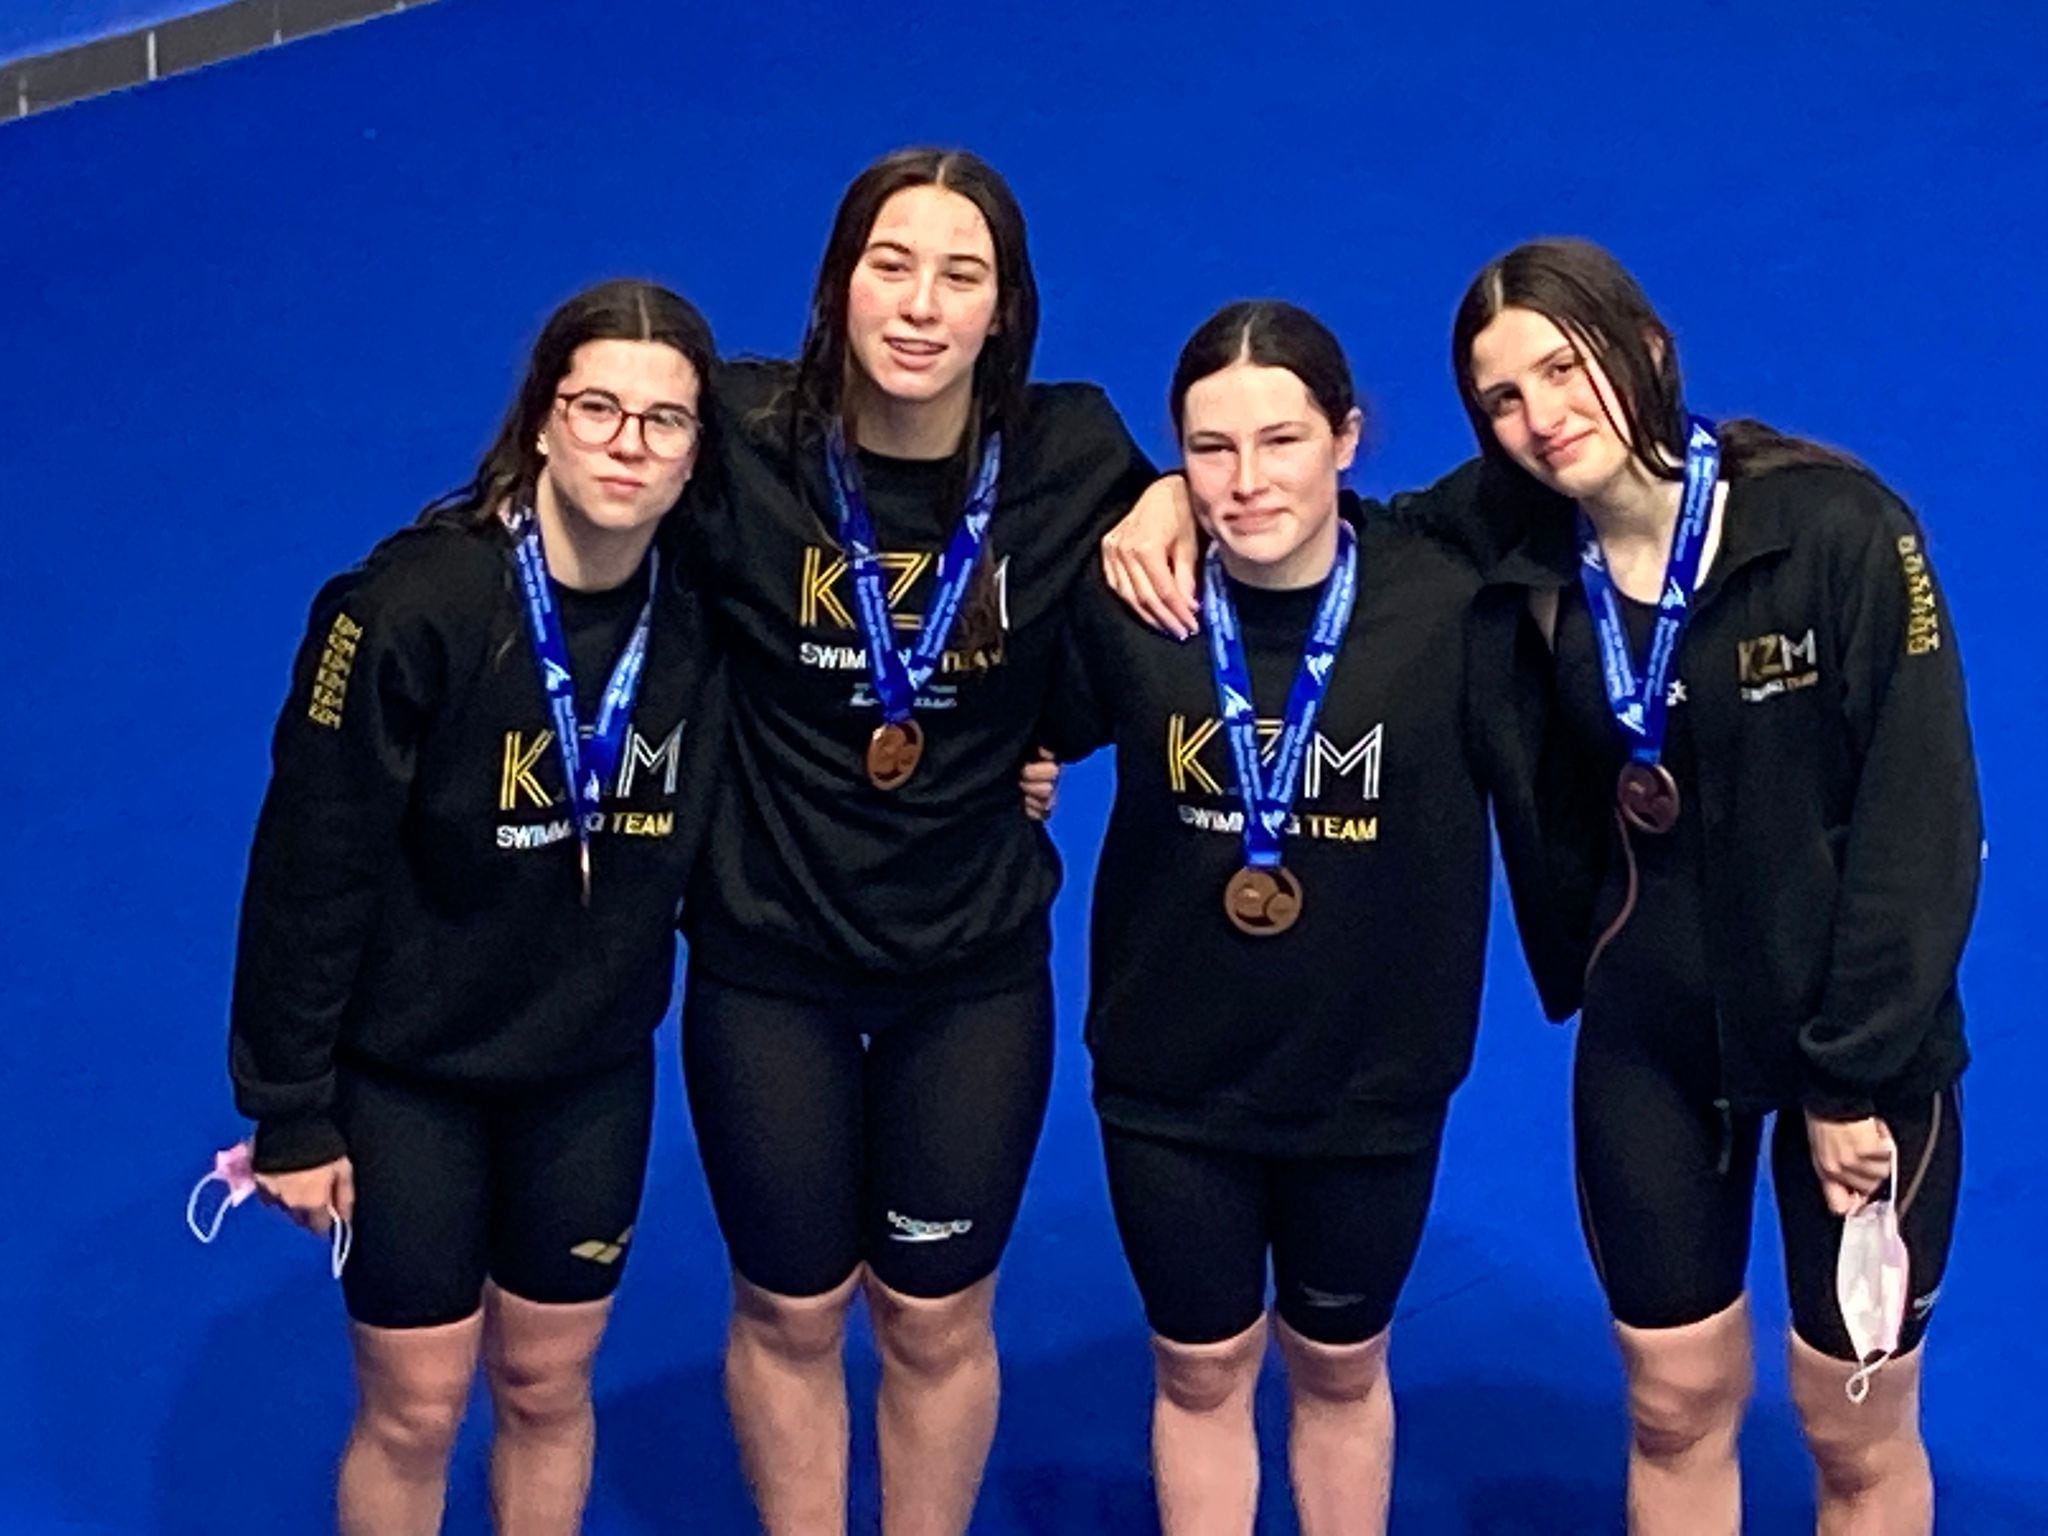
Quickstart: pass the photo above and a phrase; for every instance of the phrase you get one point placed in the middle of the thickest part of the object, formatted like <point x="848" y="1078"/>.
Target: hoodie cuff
<point x="303" y="1141"/>
<point x="1829" y="1103"/>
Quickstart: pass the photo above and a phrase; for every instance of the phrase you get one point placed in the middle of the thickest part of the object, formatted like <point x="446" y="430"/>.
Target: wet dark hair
<point x="624" y="309"/>
<point x="1273" y="334"/>
<point x="1002" y="372"/>
<point x="1602" y="311"/>
<point x="1003" y="369"/>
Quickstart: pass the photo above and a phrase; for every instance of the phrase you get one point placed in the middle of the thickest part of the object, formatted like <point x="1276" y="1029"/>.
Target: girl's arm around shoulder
<point x="1074" y="445"/>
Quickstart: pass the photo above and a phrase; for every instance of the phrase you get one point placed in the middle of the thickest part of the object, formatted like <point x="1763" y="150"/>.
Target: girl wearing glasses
<point x="867" y="1026"/>
<point x="457" y="936"/>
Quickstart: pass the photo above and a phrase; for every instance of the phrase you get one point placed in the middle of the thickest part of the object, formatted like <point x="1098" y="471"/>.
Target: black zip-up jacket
<point x="1837" y="790"/>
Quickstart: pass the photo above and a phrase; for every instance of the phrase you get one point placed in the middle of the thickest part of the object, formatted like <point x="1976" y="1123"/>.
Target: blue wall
<point x="47" y="25"/>
<point x="257" y="314"/>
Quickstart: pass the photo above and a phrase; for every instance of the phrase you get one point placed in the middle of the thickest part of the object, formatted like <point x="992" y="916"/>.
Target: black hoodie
<point x="413" y="898"/>
<point x="1346" y="1035"/>
<point x="815" y="883"/>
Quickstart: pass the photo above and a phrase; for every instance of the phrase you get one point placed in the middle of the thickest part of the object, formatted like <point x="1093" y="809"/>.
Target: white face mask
<point x="1870" y="1284"/>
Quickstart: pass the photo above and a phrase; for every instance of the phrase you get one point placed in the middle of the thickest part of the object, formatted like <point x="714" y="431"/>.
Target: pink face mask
<point x="232" y="1171"/>
<point x="1870" y="1284"/>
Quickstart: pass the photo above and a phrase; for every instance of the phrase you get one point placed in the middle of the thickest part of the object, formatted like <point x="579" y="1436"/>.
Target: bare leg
<point x="1340" y="1443"/>
<point x="1687" y="1388"/>
<point x="537" y="1359"/>
<point x="412" y="1386"/>
<point x="1873" y="1476"/>
<point x="1205" y="1448"/>
<point x="785" y="1386"/>
<point x="937" y="1414"/>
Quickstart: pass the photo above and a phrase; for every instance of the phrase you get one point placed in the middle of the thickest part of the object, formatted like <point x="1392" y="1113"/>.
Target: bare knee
<point x="414" y="1386"/>
<point x="1687" y="1386"/>
<point x="1204" y="1378"/>
<point x="416" y="1429"/>
<point x="932" y="1336"/>
<point x="537" y="1390"/>
<point x="1339" y="1374"/>
<point x="799" y="1330"/>
<point x="1856" y="1446"/>
<point x="1672" y="1416"/>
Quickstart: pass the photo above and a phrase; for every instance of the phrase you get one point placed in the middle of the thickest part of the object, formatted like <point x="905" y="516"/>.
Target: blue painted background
<point x="256" y="315"/>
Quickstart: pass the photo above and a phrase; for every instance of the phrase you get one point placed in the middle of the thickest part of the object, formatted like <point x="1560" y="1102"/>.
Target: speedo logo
<point x="910" y="1230"/>
<point x="1329" y="1300"/>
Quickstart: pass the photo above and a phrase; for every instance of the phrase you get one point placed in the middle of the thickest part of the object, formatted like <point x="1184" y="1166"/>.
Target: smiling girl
<point x="1289" y="924"/>
<point x="867" y="1027"/>
<point x="1762" y="678"/>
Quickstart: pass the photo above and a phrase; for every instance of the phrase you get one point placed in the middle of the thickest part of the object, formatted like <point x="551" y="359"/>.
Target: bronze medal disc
<point x="893" y="753"/>
<point x="1262" y="902"/>
<point x="1648" y="797"/>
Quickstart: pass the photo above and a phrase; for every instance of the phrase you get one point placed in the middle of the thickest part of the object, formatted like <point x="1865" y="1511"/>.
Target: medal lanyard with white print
<point x="586" y="765"/>
<point x="1638" y="702"/>
<point x="897" y="675"/>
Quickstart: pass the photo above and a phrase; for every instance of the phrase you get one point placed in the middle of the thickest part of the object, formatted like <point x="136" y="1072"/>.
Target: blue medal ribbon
<point x="897" y="675"/>
<point x="586" y="765"/>
<point x="1269" y="799"/>
<point x="1639" y="702"/>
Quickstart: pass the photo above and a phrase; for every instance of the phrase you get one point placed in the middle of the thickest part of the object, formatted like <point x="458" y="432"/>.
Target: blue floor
<point x="253" y="317"/>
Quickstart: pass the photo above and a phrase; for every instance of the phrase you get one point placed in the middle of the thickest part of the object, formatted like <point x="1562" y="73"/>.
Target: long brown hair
<point x="1590" y="296"/>
<point x="1002" y="372"/>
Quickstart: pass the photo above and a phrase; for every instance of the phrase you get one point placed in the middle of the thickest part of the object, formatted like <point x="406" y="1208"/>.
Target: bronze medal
<point x="893" y="752"/>
<point x="1262" y="902"/>
<point x="1648" y="797"/>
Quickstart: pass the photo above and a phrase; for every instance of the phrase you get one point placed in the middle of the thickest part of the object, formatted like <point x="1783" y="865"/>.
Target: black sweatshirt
<point x="413" y="899"/>
<point x="1346" y="1035"/>
<point x="1836" y="792"/>
<point x="815" y="883"/>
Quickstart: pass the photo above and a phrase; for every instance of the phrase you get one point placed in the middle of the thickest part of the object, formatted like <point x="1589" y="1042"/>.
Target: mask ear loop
<point x="341" y="1234"/>
<point x="342" y="1237"/>
<point x="1858" y="1386"/>
<point x="231" y="1172"/>
<point x="209" y="1232"/>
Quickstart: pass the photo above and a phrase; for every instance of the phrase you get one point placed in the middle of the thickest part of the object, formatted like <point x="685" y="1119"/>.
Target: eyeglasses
<point x="596" y="419"/>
